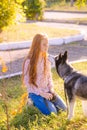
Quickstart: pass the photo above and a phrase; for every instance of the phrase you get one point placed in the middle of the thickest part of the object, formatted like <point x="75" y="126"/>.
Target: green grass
<point x="26" y="31"/>
<point x="31" y="118"/>
<point x="77" y="20"/>
<point x="63" y="6"/>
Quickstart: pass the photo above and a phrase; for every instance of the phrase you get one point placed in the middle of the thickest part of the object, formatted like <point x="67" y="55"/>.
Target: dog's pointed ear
<point x="60" y="56"/>
<point x="64" y="57"/>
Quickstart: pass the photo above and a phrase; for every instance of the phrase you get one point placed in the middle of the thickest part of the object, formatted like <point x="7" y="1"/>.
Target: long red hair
<point x="33" y="55"/>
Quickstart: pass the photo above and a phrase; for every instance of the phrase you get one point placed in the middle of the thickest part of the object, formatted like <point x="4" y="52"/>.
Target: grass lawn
<point x="30" y="118"/>
<point x="77" y="20"/>
<point x="63" y="6"/>
<point x="26" y="31"/>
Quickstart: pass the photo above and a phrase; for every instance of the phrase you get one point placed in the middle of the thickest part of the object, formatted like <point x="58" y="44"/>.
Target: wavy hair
<point x="33" y="55"/>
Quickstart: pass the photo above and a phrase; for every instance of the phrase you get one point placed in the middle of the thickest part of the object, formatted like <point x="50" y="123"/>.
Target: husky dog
<point x="75" y="83"/>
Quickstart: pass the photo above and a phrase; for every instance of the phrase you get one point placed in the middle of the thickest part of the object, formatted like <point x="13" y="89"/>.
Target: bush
<point x="9" y="13"/>
<point x="50" y="3"/>
<point x="34" y="9"/>
<point x="27" y="118"/>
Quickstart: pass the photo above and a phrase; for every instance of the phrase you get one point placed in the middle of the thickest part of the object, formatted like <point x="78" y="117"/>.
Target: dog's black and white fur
<point x="75" y="83"/>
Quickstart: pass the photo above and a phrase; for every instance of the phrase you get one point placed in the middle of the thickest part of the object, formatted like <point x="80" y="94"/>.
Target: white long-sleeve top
<point x="44" y="82"/>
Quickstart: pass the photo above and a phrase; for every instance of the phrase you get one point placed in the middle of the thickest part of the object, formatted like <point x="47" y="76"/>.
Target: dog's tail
<point x="65" y="92"/>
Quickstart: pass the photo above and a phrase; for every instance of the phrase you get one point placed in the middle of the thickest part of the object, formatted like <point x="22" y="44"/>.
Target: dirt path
<point x="14" y="58"/>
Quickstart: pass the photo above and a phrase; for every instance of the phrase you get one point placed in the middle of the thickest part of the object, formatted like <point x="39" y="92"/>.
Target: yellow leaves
<point x="20" y="1"/>
<point x="14" y="112"/>
<point x="80" y="3"/>
<point x="4" y="67"/>
<point x="24" y="96"/>
<point x="23" y="99"/>
<point x="22" y="104"/>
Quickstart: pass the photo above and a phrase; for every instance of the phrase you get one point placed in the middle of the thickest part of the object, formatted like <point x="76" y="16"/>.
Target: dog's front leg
<point x="71" y="109"/>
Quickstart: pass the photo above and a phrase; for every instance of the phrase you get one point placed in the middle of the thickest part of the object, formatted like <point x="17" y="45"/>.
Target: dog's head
<point x="60" y="59"/>
<point x="61" y="64"/>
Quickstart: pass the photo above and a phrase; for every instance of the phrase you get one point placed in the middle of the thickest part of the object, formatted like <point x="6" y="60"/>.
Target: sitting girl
<point x="38" y="79"/>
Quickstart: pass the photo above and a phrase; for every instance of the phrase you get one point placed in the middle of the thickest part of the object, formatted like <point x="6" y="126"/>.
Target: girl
<point x="38" y="79"/>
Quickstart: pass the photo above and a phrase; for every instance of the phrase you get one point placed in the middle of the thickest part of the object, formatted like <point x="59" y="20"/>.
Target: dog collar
<point x="71" y="76"/>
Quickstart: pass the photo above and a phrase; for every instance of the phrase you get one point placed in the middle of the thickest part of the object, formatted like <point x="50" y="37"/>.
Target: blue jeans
<point x="46" y="106"/>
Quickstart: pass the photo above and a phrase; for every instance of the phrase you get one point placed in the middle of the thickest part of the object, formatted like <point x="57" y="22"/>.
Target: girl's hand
<point x="48" y="96"/>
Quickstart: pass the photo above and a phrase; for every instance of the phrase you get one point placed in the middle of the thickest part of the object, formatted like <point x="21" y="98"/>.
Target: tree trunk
<point x="71" y="2"/>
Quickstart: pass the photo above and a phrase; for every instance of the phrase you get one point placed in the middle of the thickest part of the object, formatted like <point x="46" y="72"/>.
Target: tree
<point x="81" y="3"/>
<point x="34" y="9"/>
<point x="9" y="12"/>
<point x="71" y="2"/>
<point x="78" y="2"/>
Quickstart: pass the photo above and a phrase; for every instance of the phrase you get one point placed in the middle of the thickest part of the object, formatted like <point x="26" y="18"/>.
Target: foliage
<point x="49" y="3"/>
<point x="23" y="102"/>
<point x="34" y="9"/>
<point x="7" y="12"/>
<point x="4" y="99"/>
<point x="30" y="118"/>
<point x="4" y="67"/>
<point x="10" y="12"/>
<point x="80" y="3"/>
<point x="3" y="95"/>
<point x="11" y="101"/>
<point x="19" y="1"/>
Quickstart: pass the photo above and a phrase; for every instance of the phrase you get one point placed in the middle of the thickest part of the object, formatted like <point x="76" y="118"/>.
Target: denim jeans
<point x="47" y="106"/>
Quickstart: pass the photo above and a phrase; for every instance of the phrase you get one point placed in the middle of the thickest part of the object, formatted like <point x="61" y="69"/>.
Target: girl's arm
<point x="50" y="81"/>
<point x="26" y="75"/>
<point x="48" y="96"/>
